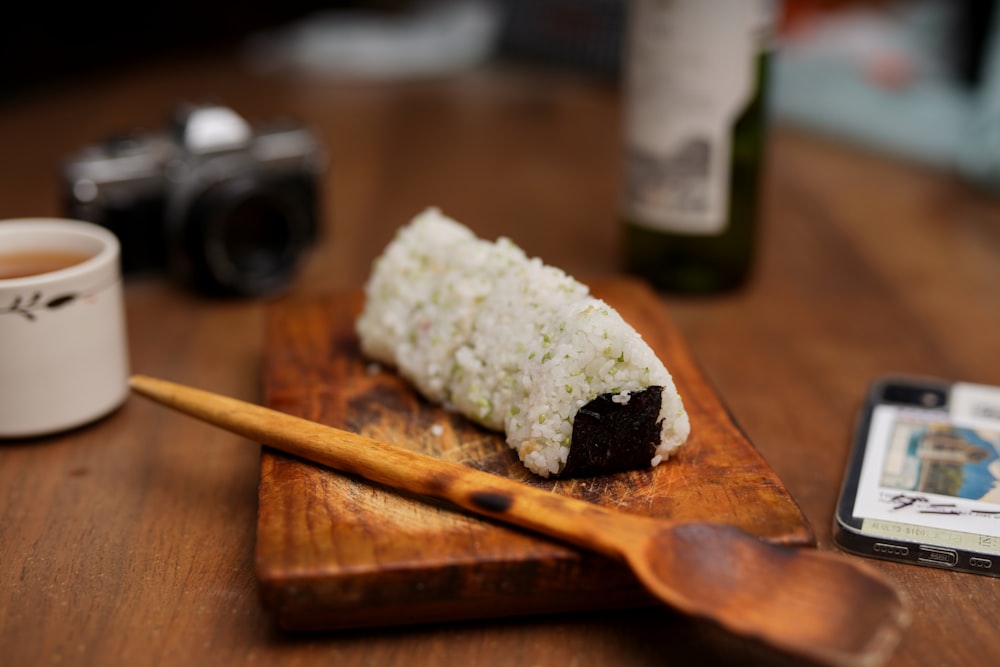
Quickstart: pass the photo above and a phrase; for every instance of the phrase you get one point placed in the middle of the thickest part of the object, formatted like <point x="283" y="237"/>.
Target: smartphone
<point x="922" y="484"/>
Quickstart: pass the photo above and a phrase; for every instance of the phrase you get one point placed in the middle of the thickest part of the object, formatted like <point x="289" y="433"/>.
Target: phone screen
<point x="923" y="484"/>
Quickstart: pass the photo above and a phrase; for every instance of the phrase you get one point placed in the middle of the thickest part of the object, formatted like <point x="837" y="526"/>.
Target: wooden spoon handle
<point x="574" y="521"/>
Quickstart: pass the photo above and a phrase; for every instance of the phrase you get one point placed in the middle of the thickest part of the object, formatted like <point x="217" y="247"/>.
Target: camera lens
<point x="245" y="236"/>
<point x="927" y="397"/>
<point x="256" y="236"/>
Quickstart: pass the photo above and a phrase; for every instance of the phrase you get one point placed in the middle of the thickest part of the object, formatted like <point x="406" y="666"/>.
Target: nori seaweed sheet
<point x="613" y="437"/>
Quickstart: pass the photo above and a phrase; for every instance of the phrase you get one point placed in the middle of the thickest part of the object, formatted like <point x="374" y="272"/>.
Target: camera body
<point x="221" y="205"/>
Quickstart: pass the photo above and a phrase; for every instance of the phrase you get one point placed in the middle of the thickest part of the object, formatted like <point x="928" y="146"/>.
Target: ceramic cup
<point x="63" y="349"/>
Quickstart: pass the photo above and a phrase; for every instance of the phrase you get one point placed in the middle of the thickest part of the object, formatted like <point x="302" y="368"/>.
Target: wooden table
<point x="131" y="542"/>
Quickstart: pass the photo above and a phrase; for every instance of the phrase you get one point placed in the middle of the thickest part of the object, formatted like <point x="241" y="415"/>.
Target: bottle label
<point x="690" y="73"/>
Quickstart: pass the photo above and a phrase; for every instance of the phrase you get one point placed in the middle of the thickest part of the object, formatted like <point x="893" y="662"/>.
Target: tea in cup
<point x="63" y="348"/>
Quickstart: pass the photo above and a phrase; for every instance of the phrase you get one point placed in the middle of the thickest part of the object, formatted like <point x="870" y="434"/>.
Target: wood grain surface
<point x="334" y="551"/>
<point x="132" y="542"/>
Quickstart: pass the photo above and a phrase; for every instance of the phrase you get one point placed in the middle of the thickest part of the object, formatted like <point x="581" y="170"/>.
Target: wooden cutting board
<point x="335" y="551"/>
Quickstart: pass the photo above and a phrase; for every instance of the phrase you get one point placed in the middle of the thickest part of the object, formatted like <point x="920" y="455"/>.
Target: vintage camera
<point x="226" y="207"/>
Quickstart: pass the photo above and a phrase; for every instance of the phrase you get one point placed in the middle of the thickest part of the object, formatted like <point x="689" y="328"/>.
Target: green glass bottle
<point x="695" y="91"/>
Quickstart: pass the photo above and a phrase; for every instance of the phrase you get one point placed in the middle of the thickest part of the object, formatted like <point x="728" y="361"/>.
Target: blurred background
<point x="915" y="78"/>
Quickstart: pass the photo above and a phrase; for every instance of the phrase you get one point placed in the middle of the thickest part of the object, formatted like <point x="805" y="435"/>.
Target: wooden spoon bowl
<point x="815" y="605"/>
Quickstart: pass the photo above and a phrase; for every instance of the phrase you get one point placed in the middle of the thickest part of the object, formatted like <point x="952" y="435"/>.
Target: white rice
<point x="512" y="343"/>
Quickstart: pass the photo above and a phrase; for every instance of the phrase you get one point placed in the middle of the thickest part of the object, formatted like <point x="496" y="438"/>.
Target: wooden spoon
<point x="815" y="605"/>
